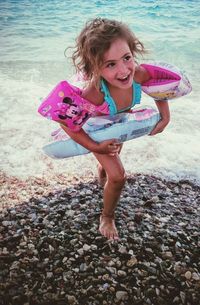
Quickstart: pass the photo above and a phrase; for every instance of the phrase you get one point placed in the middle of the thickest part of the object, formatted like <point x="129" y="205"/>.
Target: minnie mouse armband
<point x="65" y="105"/>
<point x="166" y="81"/>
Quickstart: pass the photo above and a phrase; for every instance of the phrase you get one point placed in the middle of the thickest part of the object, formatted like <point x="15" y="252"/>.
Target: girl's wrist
<point x="94" y="146"/>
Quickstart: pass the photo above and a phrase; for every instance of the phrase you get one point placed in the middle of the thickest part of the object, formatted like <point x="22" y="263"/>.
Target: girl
<point x="105" y="53"/>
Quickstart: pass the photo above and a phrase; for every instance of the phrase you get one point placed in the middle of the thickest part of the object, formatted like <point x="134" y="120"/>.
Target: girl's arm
<point x="111" y="146"/>
<point x="163" y="108"/>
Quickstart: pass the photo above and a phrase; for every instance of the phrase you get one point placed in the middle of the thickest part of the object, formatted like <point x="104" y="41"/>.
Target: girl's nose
<point x="122" y="69"/>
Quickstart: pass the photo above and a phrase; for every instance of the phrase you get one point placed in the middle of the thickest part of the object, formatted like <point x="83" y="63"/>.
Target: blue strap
<point x="111" y="103"/>
<point x="137" y="91"/>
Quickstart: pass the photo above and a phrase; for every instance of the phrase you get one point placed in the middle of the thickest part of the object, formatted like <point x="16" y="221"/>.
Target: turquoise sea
<point x="33" y="37"/>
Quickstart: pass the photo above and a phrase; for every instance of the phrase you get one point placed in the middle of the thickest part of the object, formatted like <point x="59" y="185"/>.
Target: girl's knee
<point x="118" y="179"/>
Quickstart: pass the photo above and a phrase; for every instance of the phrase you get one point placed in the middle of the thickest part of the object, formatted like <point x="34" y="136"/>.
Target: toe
<point x="116" y="237"/>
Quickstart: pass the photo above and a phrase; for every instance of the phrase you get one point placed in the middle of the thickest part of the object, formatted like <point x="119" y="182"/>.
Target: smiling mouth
<point x="124" y="79"/>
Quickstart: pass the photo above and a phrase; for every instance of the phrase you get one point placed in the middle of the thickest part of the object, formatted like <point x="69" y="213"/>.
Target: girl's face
<point x="118" y="67"/>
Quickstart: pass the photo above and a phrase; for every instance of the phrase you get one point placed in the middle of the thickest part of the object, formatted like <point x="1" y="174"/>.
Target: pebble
<point x="49" y="275"/>
<point x="83" y="267"/>
<point x="196" y="276"/>
<point x="167" y="254"/>
<point x="121" y="295"/>
<point x="131" y="262"/>
<point x="188" y="275"/>
<point x="86" y="247"/>
<point x="71" y="299"/>
<point x="122" y="250"/>
<point x="121" y="273"/>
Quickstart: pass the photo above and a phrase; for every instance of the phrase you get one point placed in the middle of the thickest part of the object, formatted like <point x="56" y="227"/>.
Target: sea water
<point x="33" y="37"/>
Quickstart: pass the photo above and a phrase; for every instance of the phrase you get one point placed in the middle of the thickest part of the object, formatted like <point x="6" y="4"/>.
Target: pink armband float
<point x="65" y="105"/>
<point x="167" y="81"/>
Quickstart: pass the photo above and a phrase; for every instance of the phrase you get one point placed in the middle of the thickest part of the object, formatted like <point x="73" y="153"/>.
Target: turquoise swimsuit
<point x="111" y="103"/>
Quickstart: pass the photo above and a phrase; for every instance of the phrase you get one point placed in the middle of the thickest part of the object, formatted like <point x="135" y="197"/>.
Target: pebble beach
<point x="52" y="253"/>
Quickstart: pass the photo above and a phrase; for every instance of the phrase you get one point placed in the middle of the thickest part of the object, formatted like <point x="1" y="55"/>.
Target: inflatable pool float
<point x="123" y="127"/>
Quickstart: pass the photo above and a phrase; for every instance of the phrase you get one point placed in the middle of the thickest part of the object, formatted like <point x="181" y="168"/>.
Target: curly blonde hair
<point x="95" y="39"/>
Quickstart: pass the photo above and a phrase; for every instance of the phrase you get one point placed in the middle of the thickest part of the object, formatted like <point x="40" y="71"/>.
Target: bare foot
<point x="107" y="227"/>
<point x="102" y="177"/>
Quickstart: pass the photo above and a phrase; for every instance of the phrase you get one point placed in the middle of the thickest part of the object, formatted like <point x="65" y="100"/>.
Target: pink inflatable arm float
<point x="65" y="105"/>
<point x="167" y="81"/>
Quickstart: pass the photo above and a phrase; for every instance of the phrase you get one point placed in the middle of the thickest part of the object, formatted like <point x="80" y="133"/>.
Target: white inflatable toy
<point x="123" y="126"/>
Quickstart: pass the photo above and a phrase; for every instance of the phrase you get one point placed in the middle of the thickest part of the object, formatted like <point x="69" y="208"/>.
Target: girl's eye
<point x="110" y="65"/>
<point x="127" y="57"/>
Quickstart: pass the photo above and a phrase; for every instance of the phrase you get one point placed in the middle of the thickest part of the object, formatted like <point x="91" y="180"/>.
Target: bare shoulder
<point x="92" y="94"/>
<point x="141" y="75"/>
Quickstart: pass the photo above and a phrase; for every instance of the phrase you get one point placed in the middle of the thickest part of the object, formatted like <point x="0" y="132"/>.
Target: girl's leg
<point x="112" y="190"/>
<point x="102" y="177"/>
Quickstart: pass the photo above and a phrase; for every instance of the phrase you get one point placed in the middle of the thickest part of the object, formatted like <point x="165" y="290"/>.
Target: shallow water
<point x="34" y="35"/>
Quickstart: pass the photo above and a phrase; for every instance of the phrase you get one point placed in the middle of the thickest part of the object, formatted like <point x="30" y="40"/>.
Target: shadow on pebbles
<point x="52" y="253"/>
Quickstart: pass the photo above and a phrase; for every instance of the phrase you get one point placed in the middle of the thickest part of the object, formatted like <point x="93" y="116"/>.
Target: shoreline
<point x="51" y="250"/>
<point x="15" y="189"/>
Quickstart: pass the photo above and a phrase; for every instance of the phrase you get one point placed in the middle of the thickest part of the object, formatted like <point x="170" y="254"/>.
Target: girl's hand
<point x="111" y="147"/>
<point x="160" y="126"/>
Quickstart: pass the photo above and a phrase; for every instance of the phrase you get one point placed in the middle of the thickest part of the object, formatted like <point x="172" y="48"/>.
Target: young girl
<point x="105" y="53"/>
